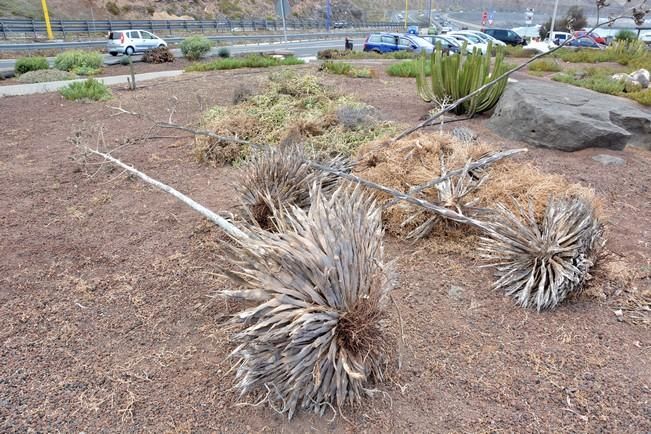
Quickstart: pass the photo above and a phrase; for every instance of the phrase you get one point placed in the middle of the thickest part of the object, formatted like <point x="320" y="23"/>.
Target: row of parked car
<point x="452" y="42"/>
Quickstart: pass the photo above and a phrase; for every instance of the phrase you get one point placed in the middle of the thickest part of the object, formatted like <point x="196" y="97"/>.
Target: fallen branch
<point x="228" y="227"/>
<point x="481" y="163"/>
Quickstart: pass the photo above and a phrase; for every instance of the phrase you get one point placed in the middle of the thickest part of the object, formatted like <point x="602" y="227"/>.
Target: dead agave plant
<point x="275" y="178"/>
<point x="314" y="339"/>
<point x="540" y="264"/>
<point x="452" y="194"/>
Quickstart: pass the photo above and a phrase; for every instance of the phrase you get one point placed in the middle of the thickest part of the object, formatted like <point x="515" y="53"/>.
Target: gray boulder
<point x="568" y="118"/>
<point x="609" y="160"/>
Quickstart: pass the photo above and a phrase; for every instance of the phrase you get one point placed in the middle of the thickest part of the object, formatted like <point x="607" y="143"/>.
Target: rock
<point x="569" y="118"/>
<point x="642" y="76"/>
<point x="580" y="75"/>
<point x="609" y="160"/>
<point x="455" y="292"/>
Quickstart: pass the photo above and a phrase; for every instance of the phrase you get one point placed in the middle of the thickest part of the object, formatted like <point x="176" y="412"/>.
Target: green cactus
<point x="458" y="75"/>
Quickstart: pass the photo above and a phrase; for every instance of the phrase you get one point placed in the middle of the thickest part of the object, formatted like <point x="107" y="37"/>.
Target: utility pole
<point x="428" y="14"/>
<point x="282" y="12"/>
<point x="46" y="14"/>
<point x="551" y="28"/>
<point x="328" y="15"/>
<point x="406" y="12"/>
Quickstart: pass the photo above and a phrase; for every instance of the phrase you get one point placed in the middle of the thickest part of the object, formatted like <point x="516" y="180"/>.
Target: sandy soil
<point x="108" y="324"/>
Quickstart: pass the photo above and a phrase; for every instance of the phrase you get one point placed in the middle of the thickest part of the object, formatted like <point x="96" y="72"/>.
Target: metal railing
<point x="26" y="28"/>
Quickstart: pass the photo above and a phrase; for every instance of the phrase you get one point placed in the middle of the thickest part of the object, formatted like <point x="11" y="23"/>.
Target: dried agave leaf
<point x="275" y="178"/>
<point x="314" y="339"/>
<point x="540" y="264"/>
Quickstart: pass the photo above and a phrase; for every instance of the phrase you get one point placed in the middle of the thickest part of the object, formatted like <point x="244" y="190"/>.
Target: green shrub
<point x="454" y="77"/>
<point x="519" y="51"/>
<point x="333" y="54"/>
<point x="625" y="35"/>
<point x="45" y="75"/>
<point x="406" y="68"/>
<point x="343" y="68"/>
<point x="195" y="47"/>
<point x="624" y="52"/>
<point x="26" y="64"/>
<point x="584" y="55"/>
<point x="87" y="90"/>
<point x="249" y="61"/>
<point x="86" y="70"/>
<point x="224" y="53"/>
<point x="643" y="96"/>
<point x="77" y="59"/>
<point x="544" y="65"/>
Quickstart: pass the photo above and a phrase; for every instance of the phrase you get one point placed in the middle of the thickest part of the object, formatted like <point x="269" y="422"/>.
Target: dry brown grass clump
<point x="417" y="160"/>
<point x="313" y="340"/>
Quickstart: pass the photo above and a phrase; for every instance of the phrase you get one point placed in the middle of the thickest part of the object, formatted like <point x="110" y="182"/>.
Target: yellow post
<point x="406" y="12"/>
<point x="47" y="20"/>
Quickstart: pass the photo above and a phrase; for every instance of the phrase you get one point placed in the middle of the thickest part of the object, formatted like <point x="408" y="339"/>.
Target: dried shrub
<point x="292" y="108"/>
<point x="541" y="262"/>
<point x="45" y="75"/>
<point x="417" y="160"/>
<point x="314" y="338"/>
<point x="274" y="179"/>
<point x="158" y="55"/>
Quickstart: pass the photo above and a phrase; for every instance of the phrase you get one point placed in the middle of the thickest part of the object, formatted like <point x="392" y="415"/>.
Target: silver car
<point x="130" y="42"/>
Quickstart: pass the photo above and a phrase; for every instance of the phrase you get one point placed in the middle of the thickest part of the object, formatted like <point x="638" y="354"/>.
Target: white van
<point x="559" y="37"/>
<point x="131" y="41"/>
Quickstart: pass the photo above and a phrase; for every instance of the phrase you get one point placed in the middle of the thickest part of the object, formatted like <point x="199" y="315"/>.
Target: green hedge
<point x="78" y="60"/>
<point x="195" y="47"/>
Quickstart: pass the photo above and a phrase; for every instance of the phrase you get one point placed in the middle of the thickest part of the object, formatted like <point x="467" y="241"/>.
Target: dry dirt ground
<point x="108" y="324"/>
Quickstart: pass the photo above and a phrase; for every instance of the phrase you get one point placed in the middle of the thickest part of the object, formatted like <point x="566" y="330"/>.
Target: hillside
<point x="206" y="9"/>
<point x="350" y="10"/>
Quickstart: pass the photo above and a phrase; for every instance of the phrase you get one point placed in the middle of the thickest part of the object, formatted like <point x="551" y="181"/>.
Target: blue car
<point x="389" y="42"/>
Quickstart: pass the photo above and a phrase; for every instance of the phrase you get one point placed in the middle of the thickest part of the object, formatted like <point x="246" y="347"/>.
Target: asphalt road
<point x="298" y="48"/>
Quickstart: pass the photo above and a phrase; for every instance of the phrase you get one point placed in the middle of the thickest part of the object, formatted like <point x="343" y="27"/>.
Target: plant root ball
<point x="315" y="339"/>
<point x="540" y="264"/>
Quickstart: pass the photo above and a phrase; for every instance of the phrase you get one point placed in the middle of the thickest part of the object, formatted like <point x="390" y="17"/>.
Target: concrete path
<point x="28" y="89"/>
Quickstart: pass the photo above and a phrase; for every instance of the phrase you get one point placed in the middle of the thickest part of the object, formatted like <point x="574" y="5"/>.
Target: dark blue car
<point x="389" y="42"/>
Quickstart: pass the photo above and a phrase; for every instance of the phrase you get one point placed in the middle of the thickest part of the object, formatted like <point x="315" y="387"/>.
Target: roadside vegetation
<point x="343" y="68"/>
<point x="333" y="54"/>
<point x="544" y="65"/>
<point x="87" y="90"/>
<point x="79" y="62"/>
<point x="27" y="64"/>
<point x="195" y="47"/>
<point x="45" y="75"/>
<point x="248" y="61"/>
<point x="406" y="68"/>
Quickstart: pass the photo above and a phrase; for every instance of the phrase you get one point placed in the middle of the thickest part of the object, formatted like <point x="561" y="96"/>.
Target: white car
<point x="130" y="42"/>
<point x="472" y="41"/>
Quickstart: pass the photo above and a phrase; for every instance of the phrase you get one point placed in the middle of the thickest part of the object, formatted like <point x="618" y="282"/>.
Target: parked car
<point x="509" y="37"/>
<point x="389" y="42"/>
<point x="340" y="25"/>
<point x="646" y="37"/>
<point x="585" y="42"/>
<point x="559" y="37"/>
<point x="598" y="39"/>
<point x="485" y="37"/>
<point x="448" y="45"/>
<point x="472" y="41"/>
<point x="130" y="42"/>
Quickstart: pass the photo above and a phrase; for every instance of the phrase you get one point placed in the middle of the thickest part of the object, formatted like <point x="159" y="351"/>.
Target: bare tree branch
<point x="228" y="227"/>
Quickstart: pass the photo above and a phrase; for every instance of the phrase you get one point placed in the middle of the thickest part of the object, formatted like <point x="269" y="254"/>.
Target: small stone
<point x="619" y="315"/>
<point x="455" y="292"/>
<point x="609" y="160"/>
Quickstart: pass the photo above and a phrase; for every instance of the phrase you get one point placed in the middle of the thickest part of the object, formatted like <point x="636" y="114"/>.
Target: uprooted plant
<point x="314" y="339"/>
<point x="274" y="179"/>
